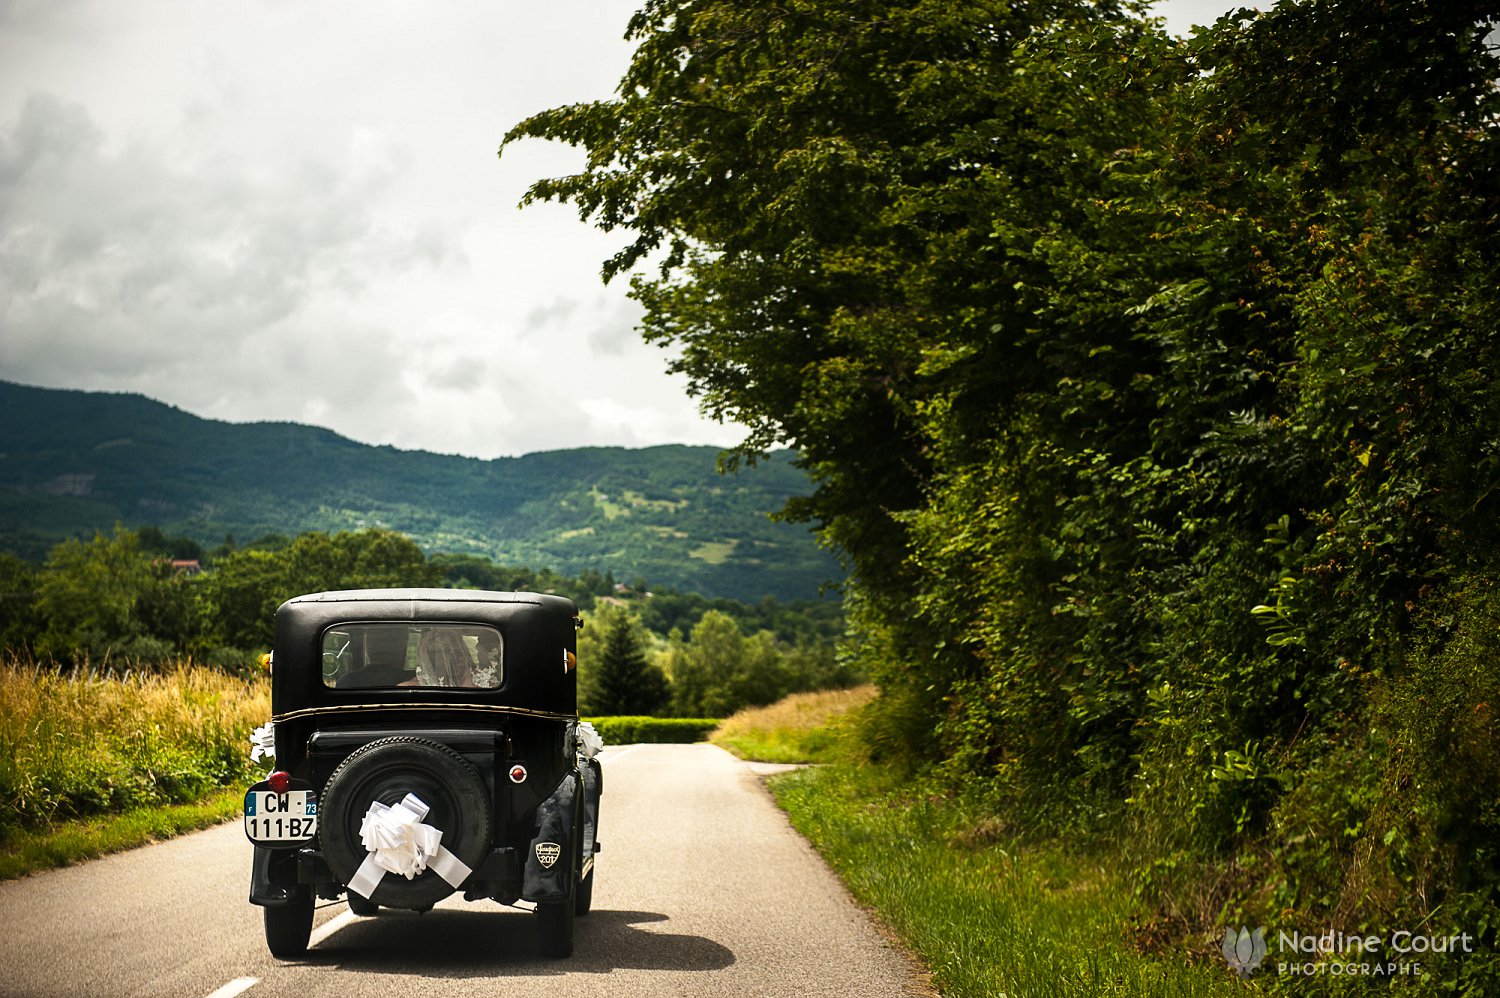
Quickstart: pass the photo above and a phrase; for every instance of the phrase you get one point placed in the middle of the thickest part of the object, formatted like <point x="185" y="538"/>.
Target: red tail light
<point x="280" y="781"/>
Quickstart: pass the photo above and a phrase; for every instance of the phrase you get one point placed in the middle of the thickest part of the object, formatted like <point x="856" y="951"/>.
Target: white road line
<point x="331" y="926"/>
<point x="238" y="986"/>
<point x="616" y="753"/>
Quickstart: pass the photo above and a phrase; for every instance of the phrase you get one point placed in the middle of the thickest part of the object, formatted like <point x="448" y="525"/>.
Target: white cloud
<point x="280" y="210"/>
<point x="128" y="264"/>
<point x="288" y="211"/>
<point x="1182" y="15"/>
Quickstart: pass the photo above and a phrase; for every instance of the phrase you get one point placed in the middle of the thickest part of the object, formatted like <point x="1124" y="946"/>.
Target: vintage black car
<point x="402" y="714"/>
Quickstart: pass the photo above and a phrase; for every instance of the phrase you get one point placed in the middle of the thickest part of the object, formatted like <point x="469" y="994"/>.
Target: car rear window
<point x="375" y="655"/>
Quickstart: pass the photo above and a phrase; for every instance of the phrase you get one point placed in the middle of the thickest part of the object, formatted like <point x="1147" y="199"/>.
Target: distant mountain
<point x="73" y="462"/>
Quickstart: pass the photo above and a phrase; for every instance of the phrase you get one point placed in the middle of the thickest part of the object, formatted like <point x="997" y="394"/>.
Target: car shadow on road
<point x="470" y="943"/>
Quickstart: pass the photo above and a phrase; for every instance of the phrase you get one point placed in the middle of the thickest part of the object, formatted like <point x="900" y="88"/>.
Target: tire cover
<point x="387" y="770"/>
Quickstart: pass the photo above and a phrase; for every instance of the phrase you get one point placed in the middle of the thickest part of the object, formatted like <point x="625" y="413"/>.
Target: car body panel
<point x="519" y="739"/>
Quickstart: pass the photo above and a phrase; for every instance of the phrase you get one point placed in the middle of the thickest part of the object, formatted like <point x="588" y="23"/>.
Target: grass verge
<point x="987" y="917"/>
<point x="986" y="914"/>
<point x="89" y="838"/>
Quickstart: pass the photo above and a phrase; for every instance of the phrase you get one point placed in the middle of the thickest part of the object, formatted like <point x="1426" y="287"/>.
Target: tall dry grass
<point x="81" y="742"/>
<point x="801" y="728"/>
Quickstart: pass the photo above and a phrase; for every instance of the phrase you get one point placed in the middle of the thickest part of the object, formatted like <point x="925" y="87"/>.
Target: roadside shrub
<point x="631" y="730"/>
<point x="1396" y="825"/>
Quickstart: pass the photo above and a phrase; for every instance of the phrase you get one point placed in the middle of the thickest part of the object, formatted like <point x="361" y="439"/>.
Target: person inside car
<point x="443" y="659"/>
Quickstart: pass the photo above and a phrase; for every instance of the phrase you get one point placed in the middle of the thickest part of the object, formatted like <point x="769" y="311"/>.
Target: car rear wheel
<point x="288" y="927"/>
<point x="583" y="899"/>
<point x="386" y="770"/>
<point x="554" y="922"/>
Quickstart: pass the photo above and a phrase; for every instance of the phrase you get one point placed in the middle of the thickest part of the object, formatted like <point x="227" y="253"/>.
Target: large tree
<point x="858" y="212"/>
<point x="814" y="181"/>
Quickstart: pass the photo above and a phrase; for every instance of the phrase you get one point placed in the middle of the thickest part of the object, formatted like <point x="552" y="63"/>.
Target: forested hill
<point x="73" y="462"/>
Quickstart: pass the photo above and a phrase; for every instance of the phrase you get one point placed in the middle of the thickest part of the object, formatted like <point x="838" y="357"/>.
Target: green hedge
<point x="629" y="730"/>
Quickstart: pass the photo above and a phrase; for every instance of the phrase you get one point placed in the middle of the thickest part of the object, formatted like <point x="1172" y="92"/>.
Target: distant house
<point x="186" y="566"/>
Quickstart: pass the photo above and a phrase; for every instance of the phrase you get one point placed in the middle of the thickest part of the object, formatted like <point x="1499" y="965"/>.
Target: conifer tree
<point x="624" y="680"/>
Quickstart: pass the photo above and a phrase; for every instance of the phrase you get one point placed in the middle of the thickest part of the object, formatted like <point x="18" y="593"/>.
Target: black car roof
<point x="419" y="595"/>
<point x="540" y="645"/>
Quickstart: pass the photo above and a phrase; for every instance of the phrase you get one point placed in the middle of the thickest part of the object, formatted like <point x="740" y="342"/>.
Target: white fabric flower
<point x="395" y="835"/>
<point x="398" y="841"/>
<point x="590" y="742"/>
<point x="263" y="742"/>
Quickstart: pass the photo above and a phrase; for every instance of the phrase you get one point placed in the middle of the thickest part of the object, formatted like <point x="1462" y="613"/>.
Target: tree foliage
<point x="718" y="669"/>
<point x="103" y="597"/>
<point x="247" y="586"/>
<point x="1149" y="386"/>
<point x="108" y="598"/>
<point x="17" y="602"/>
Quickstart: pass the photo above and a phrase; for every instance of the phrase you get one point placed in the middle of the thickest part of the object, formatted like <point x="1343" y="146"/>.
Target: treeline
<point x="644" y="652"/>
<point x="141" y="598"/>
<point x="1150" y="388"/>
<point x="711" y="670"/>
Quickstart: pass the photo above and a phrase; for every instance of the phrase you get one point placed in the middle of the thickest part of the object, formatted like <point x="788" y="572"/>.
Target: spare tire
<point x="387" y="770"/>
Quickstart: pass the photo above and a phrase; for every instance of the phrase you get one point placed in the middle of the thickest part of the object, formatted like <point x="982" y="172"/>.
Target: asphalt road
<point x="702" y="888"/>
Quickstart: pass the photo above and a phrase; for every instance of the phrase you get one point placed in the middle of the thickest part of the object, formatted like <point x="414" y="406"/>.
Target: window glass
<point x="367" y="656"/>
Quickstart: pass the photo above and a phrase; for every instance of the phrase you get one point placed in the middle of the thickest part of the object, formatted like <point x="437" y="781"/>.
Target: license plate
<point x="281" y="818"/>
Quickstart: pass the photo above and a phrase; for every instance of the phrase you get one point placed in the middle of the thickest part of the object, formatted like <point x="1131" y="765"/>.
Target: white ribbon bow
<point x="398" y="842"/>
<point x="590" y="742"/>
<point x="263" y="742"/>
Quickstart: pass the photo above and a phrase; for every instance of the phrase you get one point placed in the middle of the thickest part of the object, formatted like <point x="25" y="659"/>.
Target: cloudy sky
<point x="288" y="210"/>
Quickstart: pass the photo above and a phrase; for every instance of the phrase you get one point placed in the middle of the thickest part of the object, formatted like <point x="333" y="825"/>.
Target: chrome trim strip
<point x="467" y="707"/>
